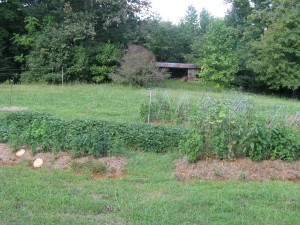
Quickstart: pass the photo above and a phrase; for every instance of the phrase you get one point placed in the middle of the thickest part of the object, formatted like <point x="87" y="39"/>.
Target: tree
<point x="197" y="46"/>
<point x="49" y="25"/>
<point x="190" y="22"/>
<point x="242" y="31"/>
<point x="237" y="15"/>
<point x="119" y="21"/>
<point x="188" y="31"/>
<point x="11" y="21"/>
<point x="275" y="56"/>
<point x="138" y="67"/>
<point x="205" y="19"/>
<point x="107" y="61"/>
<point x="60" y="46"/>
<point x="218" y="61"/>
<point x="168" y="42"/>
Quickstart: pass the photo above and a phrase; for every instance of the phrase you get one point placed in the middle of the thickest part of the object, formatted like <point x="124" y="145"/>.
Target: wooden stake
<point x="149" y="109"/>
<point x="62" y="77"/>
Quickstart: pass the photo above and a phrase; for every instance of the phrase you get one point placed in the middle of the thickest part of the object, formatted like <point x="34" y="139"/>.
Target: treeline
<point x="256" y="46"/>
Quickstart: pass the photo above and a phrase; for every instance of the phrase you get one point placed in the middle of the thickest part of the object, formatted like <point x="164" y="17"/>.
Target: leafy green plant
<point x="285" y="144"/>
<point x="192" y="146"/>
<point x="259" y="142"/>
<point x="87" y="137"/>
<point x="89" y="144"/>
<point x="230" y="128"/>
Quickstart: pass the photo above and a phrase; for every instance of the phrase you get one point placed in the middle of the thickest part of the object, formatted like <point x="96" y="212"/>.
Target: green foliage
<point x="193" y="146"/>
<point x="42" y="37"/>
<point x="86" y="137"/>
<point x="285" y="144"/>
<point x="60" y="46"/>
<point x="276" y="60"/>
<point x="169" y="42"/>
<point x="237" y="16"/>
<point x="205" y="19"/>
<point x="258" y="142"/>
<point x="226" y="129"/>
<point x="32" y="24"/>
<point x="188" y="30"/>
<point x="262" y="142"/>
<point x="265" y="40"/>
<point x="107" y="60"/>
<point x="166" y="109"/>
<point x="78" y="68"/>
<point x="11" y="22"/>
<point x="217" y="59"/>
<point x="256" y="46"/>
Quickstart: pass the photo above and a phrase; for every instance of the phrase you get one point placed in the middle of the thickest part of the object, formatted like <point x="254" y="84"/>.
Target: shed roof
<point x="177" y="65"/>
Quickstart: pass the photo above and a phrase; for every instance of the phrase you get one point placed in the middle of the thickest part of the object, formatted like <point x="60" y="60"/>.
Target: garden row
<point x="216" y="134"/>
<point x="227" y="128"/>
<point x="85" y="137"/>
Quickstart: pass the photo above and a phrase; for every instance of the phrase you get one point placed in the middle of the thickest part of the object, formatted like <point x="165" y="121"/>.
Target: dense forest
<point x="255" y="47"/>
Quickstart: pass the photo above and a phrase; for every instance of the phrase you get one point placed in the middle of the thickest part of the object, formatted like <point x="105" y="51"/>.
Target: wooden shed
<point x="180" y="70"/>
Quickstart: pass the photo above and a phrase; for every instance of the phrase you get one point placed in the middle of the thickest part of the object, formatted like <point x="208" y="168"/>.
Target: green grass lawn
<point x="150" y="192"/>
<point x="84" y="101"/>
<point x="122" y="103"/>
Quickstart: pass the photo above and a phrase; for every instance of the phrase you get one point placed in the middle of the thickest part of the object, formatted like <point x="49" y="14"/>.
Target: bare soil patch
<point x="13" y="108"/>
<point x="63" y="160"/>
<point x="242" y="169"/>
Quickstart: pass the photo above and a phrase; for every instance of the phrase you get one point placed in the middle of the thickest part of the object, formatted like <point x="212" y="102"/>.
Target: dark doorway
<point x="178" y="72"/>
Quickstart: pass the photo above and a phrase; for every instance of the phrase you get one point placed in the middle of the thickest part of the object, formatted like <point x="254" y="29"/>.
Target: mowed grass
<point x="122" y="103"/>
<point x="115" y="102"/>
<point x="150" y="192"/>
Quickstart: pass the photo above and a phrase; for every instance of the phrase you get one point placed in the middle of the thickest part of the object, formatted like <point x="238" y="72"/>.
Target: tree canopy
<point x="256" y="46"/>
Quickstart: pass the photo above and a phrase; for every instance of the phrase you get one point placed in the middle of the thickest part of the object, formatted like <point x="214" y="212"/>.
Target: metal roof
<point x="177" y="65"/>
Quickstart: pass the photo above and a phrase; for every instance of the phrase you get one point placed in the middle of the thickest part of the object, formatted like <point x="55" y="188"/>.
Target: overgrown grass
<point x="149" y="194"/>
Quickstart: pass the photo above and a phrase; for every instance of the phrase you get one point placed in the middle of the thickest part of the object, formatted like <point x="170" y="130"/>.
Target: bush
<point x="138" y="67"/>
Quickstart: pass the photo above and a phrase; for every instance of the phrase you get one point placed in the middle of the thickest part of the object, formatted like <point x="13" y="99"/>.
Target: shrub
<point x="138" y="67"/>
